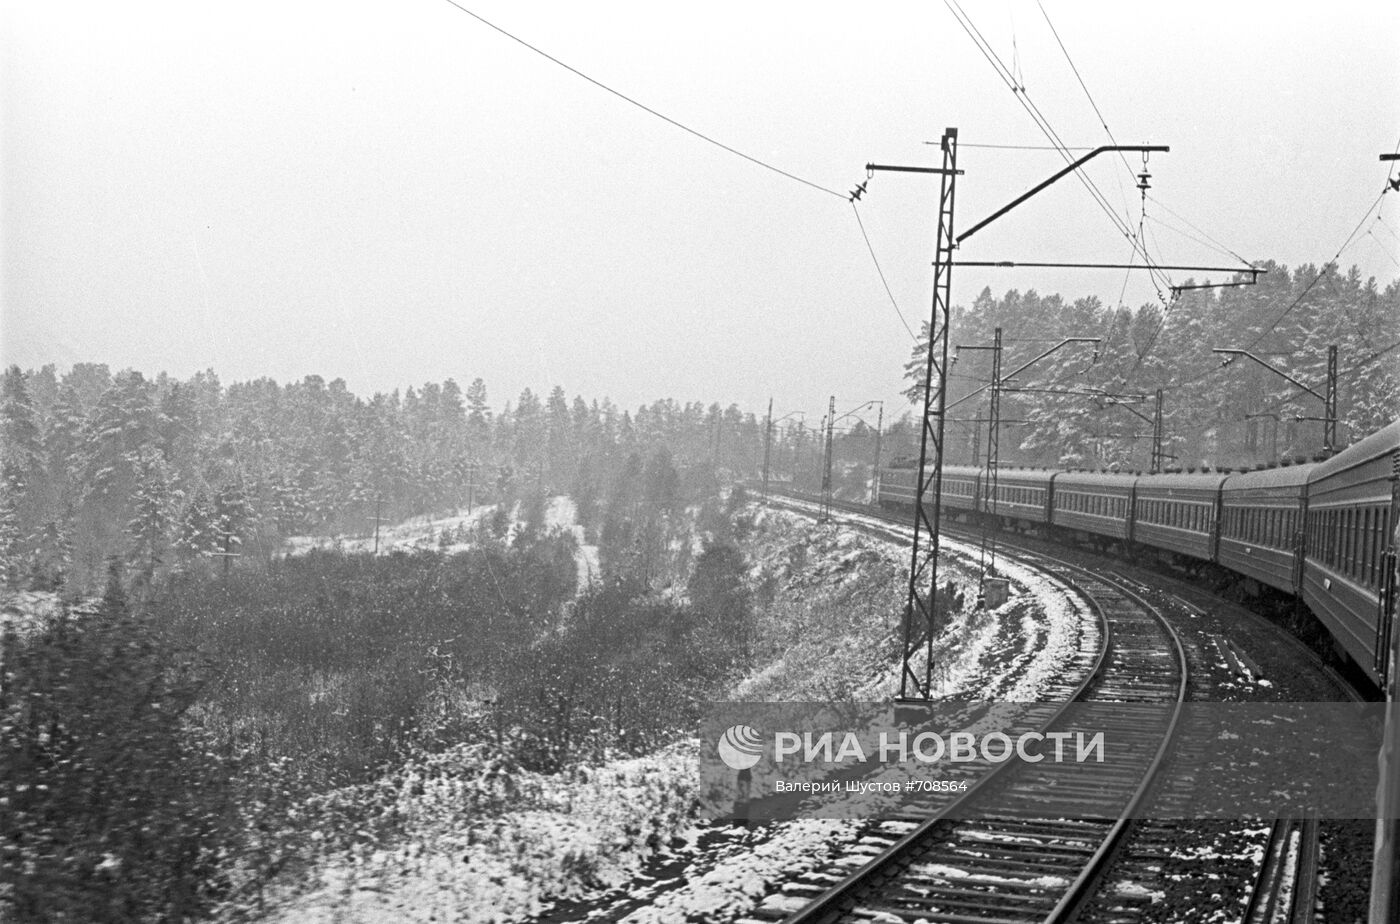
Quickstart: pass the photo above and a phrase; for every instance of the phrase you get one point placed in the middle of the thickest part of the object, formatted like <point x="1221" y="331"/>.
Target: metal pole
<point x="826" y="465"/>
<point x="920" y="611"/>
<point x="1157" y="436"/>
<point x="767" y="448"/>
<point x="875" y="477"/>
<point x="993" y="460"/>
<point x="797" y="448"/>
<point x="1329" y="426"/>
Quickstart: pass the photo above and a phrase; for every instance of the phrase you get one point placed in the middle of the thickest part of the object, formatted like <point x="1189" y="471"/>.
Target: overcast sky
<point x="393" y="192"/>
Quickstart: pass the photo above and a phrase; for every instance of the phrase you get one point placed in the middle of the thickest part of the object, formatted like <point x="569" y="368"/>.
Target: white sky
<point x="392" y="192"/>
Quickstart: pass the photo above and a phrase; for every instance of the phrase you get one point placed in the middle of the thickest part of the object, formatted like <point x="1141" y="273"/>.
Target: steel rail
<point x="841" y="899"/>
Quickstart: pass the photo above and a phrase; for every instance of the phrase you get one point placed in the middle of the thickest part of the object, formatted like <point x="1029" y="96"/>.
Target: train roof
<point x="1119" y="482"/>
<point x="1025" y="475"/>
<point x="1384" y="440"/>
<point x="1287" y="476"/>
<point x="1203" y="481"/>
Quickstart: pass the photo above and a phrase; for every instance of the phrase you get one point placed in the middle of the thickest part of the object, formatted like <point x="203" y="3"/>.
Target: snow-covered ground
<point x="425" y="532"/>
<point x="590" y="837"/>
<point x="408" y="535"/>
<point x="562" y="514"/>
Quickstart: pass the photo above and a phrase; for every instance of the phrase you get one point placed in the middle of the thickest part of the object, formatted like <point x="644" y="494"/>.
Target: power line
<point x="645" y="108"/>
<point x="1316" y="279"/>
<point x="876" y="261"/>
<point x="983" y="46"/>
<point x="1102" y="121"/>
<point x="1354" y="371"/>
<point x="1220" y="247"/>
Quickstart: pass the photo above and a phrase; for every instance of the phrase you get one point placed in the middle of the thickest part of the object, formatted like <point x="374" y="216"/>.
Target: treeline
<point x="1239" y="415"/>
<point x="164" y="474"/>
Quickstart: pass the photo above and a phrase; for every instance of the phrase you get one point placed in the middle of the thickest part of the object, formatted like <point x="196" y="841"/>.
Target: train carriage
<point x="961" y="485"/>
<point x="1178" y="513"/>
<point x="897" y="487"/>
<point x="962" y="488"/>
<point x="1351" y="508"/>
<point x="1021" y="494"/>
<point x="1093" y="502"/>
<point x="1261" y="521"/>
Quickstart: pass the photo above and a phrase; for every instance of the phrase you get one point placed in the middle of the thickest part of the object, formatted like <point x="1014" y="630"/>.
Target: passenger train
<point x="1324" y="533"/>
<point x="1320" y="532"/>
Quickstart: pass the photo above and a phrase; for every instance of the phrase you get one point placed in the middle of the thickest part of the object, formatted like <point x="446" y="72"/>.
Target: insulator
<point x="1142" y="181"/>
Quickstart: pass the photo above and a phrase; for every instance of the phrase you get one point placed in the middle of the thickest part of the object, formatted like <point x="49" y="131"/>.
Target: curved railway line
<point x="1007" y="865"/>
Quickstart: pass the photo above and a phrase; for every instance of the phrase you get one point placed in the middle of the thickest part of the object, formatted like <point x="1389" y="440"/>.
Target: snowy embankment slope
<point x="1010" y="654"/>
<point x="835" y="599"/>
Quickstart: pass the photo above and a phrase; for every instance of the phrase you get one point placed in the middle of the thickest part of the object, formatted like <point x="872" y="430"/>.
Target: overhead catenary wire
<point x="1083" y="86"/>
<point x="1167" y="305"/>
<point x="645" y="108"/>
<point x="1326" y="268"/>
<point x="1217" y="245"/>
<point x="984" y="47"/>
<point x="703" y="137"/>
<point x="883" y="280"/>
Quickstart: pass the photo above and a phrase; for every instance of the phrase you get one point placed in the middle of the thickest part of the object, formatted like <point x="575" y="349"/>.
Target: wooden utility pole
<point x="228" y="554"/>
<point x="378" y="500"/>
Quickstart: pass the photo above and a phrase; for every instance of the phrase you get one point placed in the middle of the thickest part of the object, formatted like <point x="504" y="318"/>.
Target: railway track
<point x="1008" y="865"/>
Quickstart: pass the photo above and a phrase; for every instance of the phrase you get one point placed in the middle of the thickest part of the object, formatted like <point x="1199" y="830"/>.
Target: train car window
<point x="1382" y="539"/>
<point x="1361" y="542"/>
<point x="1349" y="541"/>
<point x="1378" y="543"/>
<point x="1368" y="545"/>
<point x="1354" y="553"/>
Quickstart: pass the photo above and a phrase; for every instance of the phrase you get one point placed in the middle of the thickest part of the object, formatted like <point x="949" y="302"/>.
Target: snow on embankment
<point x="494" y="845"/>
<point x="827" y="603"/>
<point x="562" y="514"/>
<point x="415" y="533"/>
